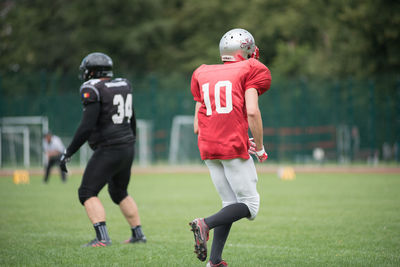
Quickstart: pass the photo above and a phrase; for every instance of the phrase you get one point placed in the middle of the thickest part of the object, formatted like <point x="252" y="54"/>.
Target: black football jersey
<point x="113" y="125"/>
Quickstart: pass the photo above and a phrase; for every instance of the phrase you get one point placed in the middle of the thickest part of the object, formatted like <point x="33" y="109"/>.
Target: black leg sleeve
<point x="227" y="215"/>
<point x="220" y="236"/>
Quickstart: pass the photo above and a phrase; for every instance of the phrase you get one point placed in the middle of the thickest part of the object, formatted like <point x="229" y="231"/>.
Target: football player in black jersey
<point x="109" y="125"/>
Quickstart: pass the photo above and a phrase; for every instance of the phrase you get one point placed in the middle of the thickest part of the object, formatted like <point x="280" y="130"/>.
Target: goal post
<point x="21" y="140"/>
<point x="16" y="137"/>
<point x="144" y="142"/>
<point x="183" y="141"/>
<point x="28" y="120"/>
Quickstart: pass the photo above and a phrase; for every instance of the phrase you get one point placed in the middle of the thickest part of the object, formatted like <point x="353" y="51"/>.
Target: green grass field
<point x="314" y="220"/>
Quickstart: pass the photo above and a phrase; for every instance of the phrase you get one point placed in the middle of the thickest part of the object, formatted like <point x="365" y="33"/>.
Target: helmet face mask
<point x="96" y="65"/>
<point x="237" y="45"/>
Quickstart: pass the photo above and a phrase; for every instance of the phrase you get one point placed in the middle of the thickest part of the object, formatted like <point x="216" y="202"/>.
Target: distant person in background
<point x="53" y="147"/>
<point x="355" y="143"/>
<point x="109" y="125"/>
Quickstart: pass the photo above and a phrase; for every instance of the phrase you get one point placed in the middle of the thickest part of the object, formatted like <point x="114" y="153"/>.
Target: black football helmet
<point x="96" y="65"/>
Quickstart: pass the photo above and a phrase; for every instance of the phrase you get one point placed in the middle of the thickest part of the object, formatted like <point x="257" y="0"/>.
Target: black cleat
<point x="201" y="235"/>
<point x="98" y="243"/>
<point x="136" y="240"/>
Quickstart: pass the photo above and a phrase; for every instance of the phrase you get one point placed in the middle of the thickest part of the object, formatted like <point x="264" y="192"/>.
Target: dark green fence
<point x="350" y="119"/>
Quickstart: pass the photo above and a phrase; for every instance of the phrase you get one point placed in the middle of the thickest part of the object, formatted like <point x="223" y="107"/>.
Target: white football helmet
<point x="237" y="45"/>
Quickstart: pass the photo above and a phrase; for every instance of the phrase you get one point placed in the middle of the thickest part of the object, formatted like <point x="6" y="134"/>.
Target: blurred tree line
<point x="321" y="38"/>
<point x="332" y="62"/>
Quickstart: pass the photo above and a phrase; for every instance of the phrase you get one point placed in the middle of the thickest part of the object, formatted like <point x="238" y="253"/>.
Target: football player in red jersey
<point x="226" y="107"/>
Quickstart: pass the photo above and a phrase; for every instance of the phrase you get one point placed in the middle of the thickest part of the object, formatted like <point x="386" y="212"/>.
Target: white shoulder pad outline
<point x="92" y="81"/>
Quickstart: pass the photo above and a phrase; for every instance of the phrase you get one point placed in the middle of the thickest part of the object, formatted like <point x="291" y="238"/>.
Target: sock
<point x="227" y="215"/>
<point x="220" y="235"/>
<point x="101" y="231"/>
<point x="137" y="232"/>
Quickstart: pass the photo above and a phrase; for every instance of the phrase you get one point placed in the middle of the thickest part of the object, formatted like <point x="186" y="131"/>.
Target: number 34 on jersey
<point x="124" y="108"/>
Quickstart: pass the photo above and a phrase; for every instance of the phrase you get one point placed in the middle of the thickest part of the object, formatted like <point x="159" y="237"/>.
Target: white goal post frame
<point x="177" y="122"/>
<point x="19" y="124"/>
<point x="12" y="130"/>
<point x="144" y="141"/>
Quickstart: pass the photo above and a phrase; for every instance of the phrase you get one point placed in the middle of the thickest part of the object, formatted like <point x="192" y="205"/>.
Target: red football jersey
<point x="222" y="117"/>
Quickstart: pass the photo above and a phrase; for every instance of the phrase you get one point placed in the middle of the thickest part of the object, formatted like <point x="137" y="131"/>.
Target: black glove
<point x="63" y="161"/>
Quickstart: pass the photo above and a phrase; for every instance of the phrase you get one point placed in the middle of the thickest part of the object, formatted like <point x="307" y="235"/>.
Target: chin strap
<point x="256" y="53"/>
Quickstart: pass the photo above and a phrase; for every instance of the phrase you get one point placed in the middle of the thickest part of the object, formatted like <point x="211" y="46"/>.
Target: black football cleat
<point x="98" y="243"/>
<point x="201" y="235"/>
<point x="133" y="240"/>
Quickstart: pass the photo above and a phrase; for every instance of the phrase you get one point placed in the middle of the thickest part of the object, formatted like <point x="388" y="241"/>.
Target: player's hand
<point x="63" y="162"/>
<point x="261" y="155"/>
<point x="252" y="146"/>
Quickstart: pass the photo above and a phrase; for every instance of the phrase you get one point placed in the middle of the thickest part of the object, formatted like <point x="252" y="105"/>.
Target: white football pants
<point x="236" y="182"/>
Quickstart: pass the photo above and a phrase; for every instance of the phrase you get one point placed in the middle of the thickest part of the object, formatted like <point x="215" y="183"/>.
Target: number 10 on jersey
<point x="124" y="108"/>
<point x="217" y="97"/>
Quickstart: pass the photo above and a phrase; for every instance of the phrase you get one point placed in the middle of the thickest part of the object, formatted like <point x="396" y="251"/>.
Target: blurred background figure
<point x="53" y="148"/>
<point x="355" y="143"/>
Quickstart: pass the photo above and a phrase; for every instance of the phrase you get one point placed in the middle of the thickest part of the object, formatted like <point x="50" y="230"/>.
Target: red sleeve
<point x="259" y="77"/>
<point x="195" y="87"/>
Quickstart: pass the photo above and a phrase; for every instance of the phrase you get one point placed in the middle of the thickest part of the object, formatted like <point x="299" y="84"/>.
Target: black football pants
<point x="108" y="165"/>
